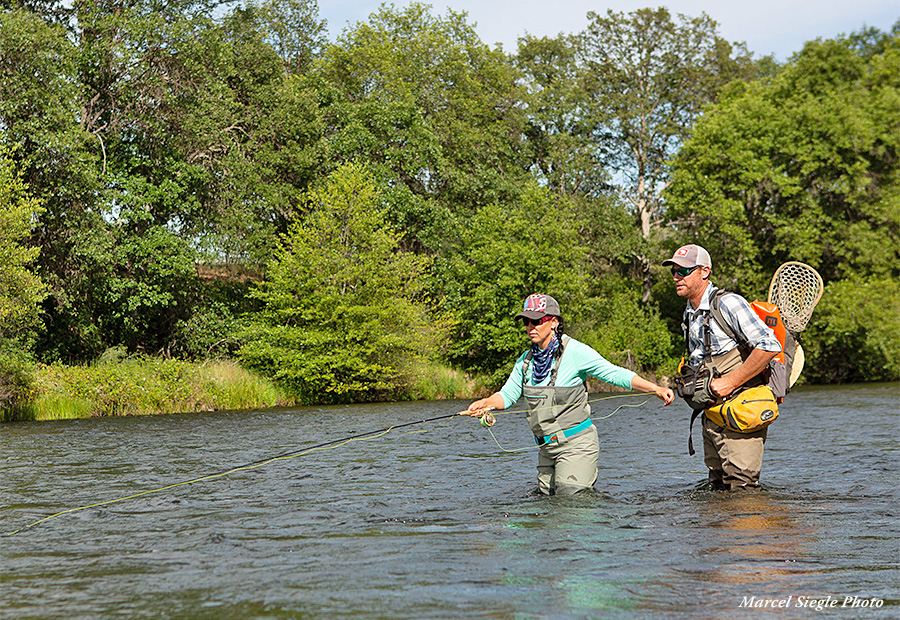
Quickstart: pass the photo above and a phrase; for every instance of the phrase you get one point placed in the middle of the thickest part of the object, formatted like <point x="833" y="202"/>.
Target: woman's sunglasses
<point x="535" y="322"/>
<point x="683" y="272"/>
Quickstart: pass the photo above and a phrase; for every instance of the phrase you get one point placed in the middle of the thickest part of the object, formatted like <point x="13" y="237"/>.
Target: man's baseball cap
<point x="538" y="306"/>
<point x="689" y="256"/>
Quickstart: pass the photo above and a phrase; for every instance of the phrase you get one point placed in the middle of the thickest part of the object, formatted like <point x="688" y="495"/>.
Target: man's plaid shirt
<point x="739" y="316"/>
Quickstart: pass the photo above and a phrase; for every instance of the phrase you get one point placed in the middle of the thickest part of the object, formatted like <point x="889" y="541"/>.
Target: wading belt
<point x="543" y="441"/>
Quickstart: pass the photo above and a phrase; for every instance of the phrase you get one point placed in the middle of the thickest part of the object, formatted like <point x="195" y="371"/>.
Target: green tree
<point x="803" y="166"/>
<point x="343" y="318"/>
<point x="21" y="290"/>
<point x="799" y="167"/>
<point x="647" y="78"/>
<point x="51" y="11"/>
<point x="558" y="130"/>
<point x="40" y="108"/>
<point x="507" y="253"/>
<point x="624" y="330"/>
<point x="156" y="137"/>
<point x="854" y="334"/>
<point x="292" y="28"/>
<point x="433" y="109"/>
<point x="202" y="130"/>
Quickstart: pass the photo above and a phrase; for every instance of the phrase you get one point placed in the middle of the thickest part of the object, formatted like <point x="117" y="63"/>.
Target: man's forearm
<point x="752" y="366"/>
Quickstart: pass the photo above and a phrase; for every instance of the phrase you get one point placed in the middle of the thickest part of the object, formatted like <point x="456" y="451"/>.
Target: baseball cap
<point x="689" y="256"/>
<point x="538" y="306"/>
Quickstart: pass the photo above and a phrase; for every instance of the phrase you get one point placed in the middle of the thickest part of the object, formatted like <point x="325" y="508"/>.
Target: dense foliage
<point x="21" y="290"/>
<point x="806" y="166"/>
<point x="343" y="316"/>
<point x="195" y="178"/>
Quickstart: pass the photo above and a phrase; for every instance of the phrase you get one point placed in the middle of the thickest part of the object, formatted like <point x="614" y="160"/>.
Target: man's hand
<point x="752" y="366"/>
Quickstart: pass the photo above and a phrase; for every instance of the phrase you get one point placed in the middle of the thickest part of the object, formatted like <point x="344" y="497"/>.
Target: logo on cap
<point x="682" y="251"/>
<point x="535" y="303"/>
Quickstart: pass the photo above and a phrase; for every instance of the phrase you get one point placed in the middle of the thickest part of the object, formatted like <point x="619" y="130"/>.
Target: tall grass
<point x="117" y="385"/>
<point x="433" y="381"/>
<point x="143" y="386"/>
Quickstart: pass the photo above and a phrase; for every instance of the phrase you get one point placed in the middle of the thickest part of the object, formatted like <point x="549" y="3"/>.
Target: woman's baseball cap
<point x="537" y="306"/>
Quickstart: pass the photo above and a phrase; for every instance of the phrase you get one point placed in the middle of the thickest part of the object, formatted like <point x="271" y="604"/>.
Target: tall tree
<point x="40" y="108"/>
<point x="21" y="290"/>
<point x="156" y="137"/>
<point x="805" y="167"/>
<point x="507" y="253"/>
<point x="801" y="167"/>
<point x="647" y="78"/>
<point x="436" y="110"/>
<point x="54" y="12"/>
<point x="558" y="130"/>
<point x="342" y="315"/>
<point x="292" y="28"/>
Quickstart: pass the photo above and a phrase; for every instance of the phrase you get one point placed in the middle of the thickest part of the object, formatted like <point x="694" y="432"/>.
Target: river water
<point x="434" y="520"/>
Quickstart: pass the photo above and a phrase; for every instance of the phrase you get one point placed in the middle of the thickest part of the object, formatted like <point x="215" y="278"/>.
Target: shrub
<point x="854" y="334"/>
<point x="343" y="315"/>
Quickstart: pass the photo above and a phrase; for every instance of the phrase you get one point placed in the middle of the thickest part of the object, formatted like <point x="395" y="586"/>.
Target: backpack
<point x="778" y="371"/>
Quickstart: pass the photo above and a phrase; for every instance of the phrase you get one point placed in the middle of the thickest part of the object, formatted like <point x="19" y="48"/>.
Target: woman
<point x="552" y="377"/>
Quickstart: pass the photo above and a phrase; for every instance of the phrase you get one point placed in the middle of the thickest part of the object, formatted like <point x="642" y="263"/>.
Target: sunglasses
<point x="683" y="272"/>
<point x="535" y="322"/>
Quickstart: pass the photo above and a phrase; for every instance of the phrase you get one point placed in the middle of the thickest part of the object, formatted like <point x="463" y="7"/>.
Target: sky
<point x="778" y="27"/>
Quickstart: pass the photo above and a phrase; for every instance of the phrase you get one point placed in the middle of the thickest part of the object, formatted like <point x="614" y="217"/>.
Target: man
<point x="734" y="459"/>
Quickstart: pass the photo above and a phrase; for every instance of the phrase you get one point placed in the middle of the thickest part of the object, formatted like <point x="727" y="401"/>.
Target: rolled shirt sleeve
<point x="743" y="320"/>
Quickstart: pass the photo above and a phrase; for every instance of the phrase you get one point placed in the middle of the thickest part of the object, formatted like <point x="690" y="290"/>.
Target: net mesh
<point x="796" y="289"/>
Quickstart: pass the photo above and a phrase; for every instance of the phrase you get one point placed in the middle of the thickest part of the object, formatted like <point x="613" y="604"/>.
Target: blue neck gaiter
<point x="542" y="361"/>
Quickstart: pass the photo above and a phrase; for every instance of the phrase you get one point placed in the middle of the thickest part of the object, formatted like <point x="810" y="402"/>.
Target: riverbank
<point x="148" y="386"/>
<point x="141" y="386"/>
<point x="118" y="385"/>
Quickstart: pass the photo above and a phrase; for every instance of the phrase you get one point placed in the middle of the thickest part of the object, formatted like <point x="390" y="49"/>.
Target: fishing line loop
<point x="609" y="415"/>
<point x="488" y="420"/>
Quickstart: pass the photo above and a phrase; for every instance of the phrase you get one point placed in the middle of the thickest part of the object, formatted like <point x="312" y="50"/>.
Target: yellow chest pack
<point x="751" y="410"/>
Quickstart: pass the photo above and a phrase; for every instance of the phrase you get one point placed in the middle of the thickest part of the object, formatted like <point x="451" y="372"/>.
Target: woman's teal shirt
<point x="578" y="361"/>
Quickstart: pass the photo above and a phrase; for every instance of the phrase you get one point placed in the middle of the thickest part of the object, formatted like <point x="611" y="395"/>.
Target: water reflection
<point x="761" y="537"/>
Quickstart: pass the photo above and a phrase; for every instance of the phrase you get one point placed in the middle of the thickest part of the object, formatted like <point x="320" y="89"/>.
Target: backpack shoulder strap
<point x="716" y="313"/>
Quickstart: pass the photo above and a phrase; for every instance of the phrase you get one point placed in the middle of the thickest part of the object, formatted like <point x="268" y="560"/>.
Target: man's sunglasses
<point x="683" y="272"/>
<point x="535" y="322"/>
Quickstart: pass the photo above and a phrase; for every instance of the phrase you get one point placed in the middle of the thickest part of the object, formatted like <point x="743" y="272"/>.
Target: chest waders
<point x="555" y="413"/>
<point x="693" y="385"/>
<point x="697" y="392"/>
<point x="560" y="418"/>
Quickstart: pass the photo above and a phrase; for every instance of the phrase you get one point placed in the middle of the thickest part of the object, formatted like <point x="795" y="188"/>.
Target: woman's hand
<point x="665" y="394"/>
<point x="483" y="405"/>
<point x="477" y="409"/>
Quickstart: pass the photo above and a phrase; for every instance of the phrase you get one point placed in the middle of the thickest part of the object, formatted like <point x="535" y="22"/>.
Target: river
<point x="434" y="520"/>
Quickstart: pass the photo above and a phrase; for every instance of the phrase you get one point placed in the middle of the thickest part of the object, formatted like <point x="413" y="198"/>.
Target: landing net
<point x="796" y="289"/>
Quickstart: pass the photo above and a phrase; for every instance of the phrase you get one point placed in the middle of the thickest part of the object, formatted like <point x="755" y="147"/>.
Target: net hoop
<point x="797" y="365"/>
